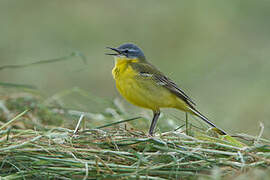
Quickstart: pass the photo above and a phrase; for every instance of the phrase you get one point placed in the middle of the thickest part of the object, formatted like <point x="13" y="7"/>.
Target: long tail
<point x="197" y="113"/>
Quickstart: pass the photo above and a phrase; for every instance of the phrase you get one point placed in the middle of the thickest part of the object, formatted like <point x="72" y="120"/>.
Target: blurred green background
<point x="217" y="51"/>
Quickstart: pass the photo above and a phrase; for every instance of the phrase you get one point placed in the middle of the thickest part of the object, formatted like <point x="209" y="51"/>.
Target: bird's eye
<point x="126" y="51"/>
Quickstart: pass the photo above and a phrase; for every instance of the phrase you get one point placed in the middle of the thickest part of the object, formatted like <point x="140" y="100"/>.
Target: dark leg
<point x="187" y="124"/>
<point x="154" y="122"/>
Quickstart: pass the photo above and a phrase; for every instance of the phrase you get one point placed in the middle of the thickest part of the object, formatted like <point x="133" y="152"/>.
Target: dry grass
<point x="35" y="144"/>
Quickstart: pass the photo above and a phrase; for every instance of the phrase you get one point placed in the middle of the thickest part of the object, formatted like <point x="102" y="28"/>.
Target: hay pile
<point x="113" y="151"/>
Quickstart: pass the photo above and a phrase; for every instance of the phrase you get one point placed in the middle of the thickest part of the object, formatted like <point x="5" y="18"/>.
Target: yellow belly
<point x="142" y="92"/>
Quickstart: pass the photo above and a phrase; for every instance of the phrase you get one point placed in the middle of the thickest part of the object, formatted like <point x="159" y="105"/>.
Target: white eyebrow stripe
<point x="132" y="50"/>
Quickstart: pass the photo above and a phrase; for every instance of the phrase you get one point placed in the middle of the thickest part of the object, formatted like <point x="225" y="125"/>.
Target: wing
<point x="146" y="70"/>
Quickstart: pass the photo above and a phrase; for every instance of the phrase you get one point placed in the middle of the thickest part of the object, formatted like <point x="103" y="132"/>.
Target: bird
<point x="143" y="85"/>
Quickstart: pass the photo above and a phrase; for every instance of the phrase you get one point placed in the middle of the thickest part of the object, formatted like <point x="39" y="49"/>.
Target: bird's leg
<point x="154" y="122"/>
<point x="187" y="123"/>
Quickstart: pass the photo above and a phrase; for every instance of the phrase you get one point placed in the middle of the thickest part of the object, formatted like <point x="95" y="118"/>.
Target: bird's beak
<point x="118" y="52"/>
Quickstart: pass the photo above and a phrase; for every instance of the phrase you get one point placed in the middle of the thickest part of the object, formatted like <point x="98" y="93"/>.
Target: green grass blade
<point x="73" y="54"/>
<point x="14" y="119"/>
<point x="118" y="122"/>
<point x="13" y="85"/>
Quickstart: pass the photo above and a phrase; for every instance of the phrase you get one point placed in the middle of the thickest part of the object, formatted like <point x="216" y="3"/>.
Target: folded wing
<point x="148" y="71"/>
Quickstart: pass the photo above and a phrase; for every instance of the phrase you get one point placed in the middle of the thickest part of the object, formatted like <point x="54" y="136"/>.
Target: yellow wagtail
<point x="143" y="85"/>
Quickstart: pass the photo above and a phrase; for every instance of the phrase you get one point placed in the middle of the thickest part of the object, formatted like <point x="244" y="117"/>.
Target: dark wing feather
<point x="146" y="69"/>
<point x="169" y="84"/>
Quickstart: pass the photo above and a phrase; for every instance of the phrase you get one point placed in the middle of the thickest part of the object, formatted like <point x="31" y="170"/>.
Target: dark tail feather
<point x="197" y="113"/>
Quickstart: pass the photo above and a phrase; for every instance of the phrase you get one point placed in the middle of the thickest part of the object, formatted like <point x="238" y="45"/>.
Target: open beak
<point x="117" y="52"/>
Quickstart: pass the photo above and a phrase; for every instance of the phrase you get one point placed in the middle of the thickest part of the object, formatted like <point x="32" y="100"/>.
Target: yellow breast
<point x="138" y="91"/>
<point x="126" y="83"/>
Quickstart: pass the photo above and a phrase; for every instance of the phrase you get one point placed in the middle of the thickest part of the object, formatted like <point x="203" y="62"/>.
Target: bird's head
<point x="127" y="51"/>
